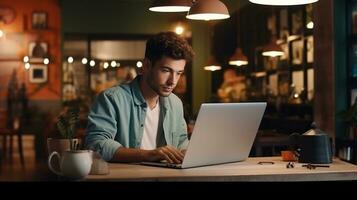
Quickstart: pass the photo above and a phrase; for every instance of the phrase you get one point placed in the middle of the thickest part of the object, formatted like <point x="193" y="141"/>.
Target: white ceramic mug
<point x="74" y="164"/>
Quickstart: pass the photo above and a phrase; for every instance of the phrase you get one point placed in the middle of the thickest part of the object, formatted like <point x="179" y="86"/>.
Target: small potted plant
<point x="66" y="125"/>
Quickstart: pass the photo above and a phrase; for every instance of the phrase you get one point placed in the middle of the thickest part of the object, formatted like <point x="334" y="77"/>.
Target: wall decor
<point x="39" y="20"/>
<point x="38" y="73"/>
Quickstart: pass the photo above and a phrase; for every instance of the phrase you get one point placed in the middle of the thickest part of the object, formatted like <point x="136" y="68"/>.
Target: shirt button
<point x="142" y="125"/>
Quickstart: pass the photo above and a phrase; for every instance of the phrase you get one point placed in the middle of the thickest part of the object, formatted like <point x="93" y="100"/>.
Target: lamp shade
<point x="273" y="49"/>
<point x="212" y="65"/>
<point x="171" y="5"/>
<point x="283" y="2"/>
<point x="208" y="10"/>
<point x="238" y="58"/>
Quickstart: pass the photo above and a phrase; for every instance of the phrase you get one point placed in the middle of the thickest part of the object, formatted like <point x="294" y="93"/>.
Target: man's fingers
<point x="176" y="152"/>
<point x="165" y="156"/>
<point x="172" y="156"/>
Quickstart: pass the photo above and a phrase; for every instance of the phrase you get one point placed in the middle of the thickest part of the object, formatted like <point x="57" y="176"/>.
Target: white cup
<point x="74" y="164"/>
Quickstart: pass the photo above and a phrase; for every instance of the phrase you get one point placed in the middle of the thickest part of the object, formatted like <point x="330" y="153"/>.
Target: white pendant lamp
<point x="238" y="58"/>
<point x="283" y="2"/>
<point x="171" y="5"/>
<point x="208" y="10"/>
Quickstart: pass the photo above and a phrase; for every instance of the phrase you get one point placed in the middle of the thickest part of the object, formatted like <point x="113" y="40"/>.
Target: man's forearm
<point x="131" y="155"/>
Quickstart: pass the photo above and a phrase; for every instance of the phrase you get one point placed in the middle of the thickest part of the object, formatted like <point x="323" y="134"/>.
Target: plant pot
<point x="60" y="146"/>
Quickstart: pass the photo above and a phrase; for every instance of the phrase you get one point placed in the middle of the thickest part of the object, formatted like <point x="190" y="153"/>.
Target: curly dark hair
<point x="168" y="44"/>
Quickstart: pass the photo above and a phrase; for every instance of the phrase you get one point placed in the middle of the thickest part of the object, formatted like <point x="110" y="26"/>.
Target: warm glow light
<point x="212" y="68"/>
<point x="283" y="2"/>
<point x="106" y="65"/>
<point x="259" y="74"/>
<point x="113" y="63"/>
<point x="118" y="64"/>
<point x="92" y="63"/>
<point x="273" y="53"/>
<point x="170" y="9"/>
<point x="296" y="95"/>
<point x="26" y="59"/>
<point x="238" y="62"/>
<point x="170" y="5"/>
<point x="1" y="33"/>
<point x="208" y="10"/>
<point x="310" y="25"/>
<point x="27" y="66"/>
<point x="179" y="30"/>
<point x="238" y="58"/>
<point x="46" y="61"/>
<point x="139" y="64"/>
<point x="70" y="59"/>
<point x="84" y="61"/>
<point x="207" y="16"/>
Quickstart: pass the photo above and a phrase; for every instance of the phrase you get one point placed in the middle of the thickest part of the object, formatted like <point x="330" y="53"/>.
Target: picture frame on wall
<point x="38" y="73"/>
<point x="37" y="51"/>
<point x="39" y="20"/>
<point x="297" y="48"/>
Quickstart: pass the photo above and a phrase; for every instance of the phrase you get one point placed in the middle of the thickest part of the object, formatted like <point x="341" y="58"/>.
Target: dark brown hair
<point x="168" y="44"/>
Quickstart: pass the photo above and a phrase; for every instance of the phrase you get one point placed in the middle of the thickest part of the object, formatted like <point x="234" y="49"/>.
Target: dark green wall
<point x="341" y="67"/>
<point x="113" y="16"/>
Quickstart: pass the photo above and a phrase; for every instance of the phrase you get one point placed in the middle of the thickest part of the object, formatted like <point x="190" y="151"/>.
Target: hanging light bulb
<point x="283" y="2"/>
<point x="208" y="10"/>
<point x="238" y="58"/>
<point x="212" y="65"/>
<point x="171" y="6"/>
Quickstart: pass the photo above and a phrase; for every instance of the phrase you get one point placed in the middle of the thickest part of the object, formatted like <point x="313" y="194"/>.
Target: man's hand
<point x="168" y="153"/>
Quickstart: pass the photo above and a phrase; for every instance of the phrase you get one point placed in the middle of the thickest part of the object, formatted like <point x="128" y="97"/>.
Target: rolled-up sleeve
<point x="183" y="142"/>
<point x="102" y="127"/>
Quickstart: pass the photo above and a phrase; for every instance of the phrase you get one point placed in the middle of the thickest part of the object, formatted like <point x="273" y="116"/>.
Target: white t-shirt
<point x="151" y="125"/>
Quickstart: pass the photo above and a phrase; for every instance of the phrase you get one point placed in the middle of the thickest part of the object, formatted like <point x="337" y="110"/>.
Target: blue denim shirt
<point x="117" y="120"/>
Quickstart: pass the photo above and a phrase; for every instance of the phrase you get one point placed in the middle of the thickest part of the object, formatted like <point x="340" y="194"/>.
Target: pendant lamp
<point x="273" y="49"/>
<point x="212" y="65"/>
<point x="283" y="2"/>
<point x="171" y="5"/>
<point x="238" y="58"/>
<point x="208" y="10"/>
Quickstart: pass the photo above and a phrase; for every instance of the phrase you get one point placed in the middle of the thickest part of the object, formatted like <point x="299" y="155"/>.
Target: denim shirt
<point x="117" y="120"/>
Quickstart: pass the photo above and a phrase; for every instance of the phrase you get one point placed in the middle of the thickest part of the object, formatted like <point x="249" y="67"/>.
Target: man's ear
<point x="147" y="64"/>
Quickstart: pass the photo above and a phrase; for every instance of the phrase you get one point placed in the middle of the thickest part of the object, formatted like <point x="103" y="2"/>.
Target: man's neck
<point x="150" y="96"/>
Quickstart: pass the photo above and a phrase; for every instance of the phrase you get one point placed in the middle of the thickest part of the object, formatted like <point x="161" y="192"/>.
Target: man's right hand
<point x="168" y="153"/>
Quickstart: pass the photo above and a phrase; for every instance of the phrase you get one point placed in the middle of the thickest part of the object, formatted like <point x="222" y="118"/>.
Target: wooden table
<point x="248" y="170"/>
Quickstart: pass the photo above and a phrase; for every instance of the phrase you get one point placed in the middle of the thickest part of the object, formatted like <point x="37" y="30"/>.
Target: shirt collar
<point x="138" y="96"/>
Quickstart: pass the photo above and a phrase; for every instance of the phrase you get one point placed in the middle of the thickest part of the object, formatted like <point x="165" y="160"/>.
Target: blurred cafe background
<point x="54" y="54"/>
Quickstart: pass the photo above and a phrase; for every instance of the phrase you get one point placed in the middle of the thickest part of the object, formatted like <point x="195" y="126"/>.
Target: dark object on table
<point x="314" y="146"/>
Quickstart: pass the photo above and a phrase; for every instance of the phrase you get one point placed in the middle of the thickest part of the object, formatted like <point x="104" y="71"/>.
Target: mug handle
<point x="50" y="165"/>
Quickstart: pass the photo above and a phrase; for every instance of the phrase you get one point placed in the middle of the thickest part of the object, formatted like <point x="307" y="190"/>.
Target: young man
<point x="143" y="120"/>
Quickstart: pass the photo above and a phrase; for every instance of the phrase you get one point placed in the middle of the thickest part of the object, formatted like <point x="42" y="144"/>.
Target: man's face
<point x="163" y="75"/>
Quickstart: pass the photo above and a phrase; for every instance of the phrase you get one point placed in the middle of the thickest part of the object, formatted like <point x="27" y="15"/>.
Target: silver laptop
<point x="223" y="133"/>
